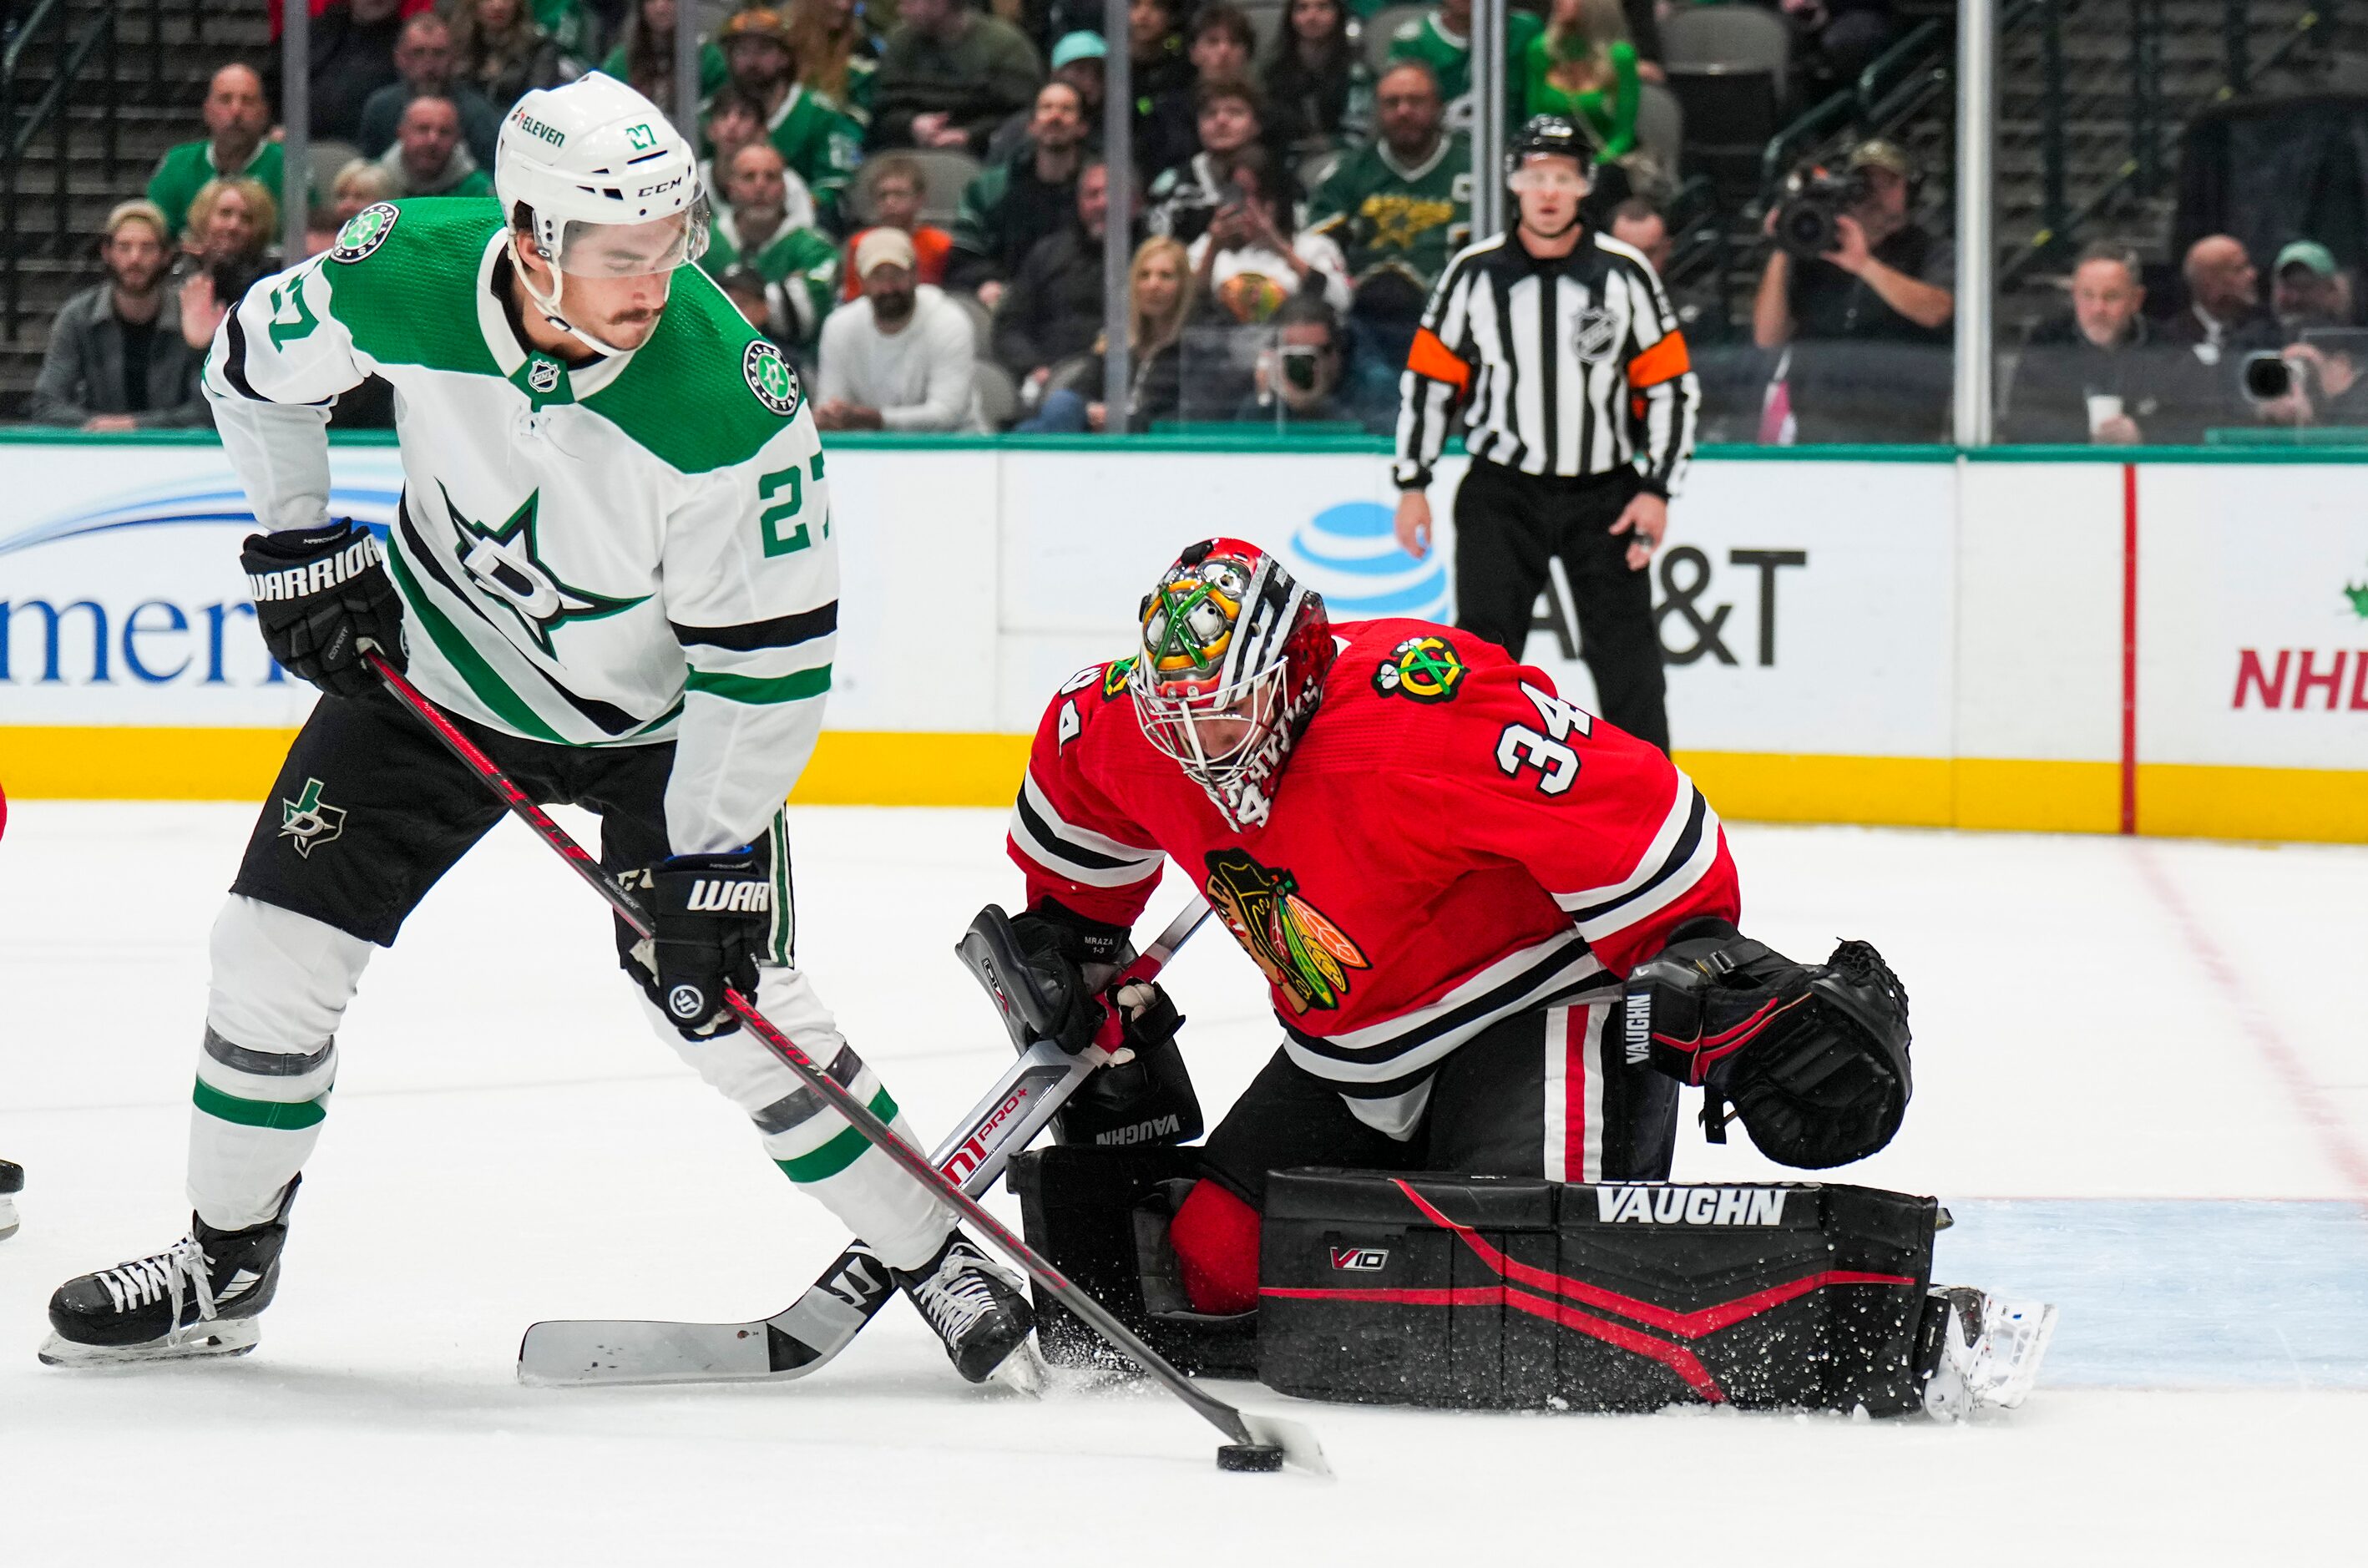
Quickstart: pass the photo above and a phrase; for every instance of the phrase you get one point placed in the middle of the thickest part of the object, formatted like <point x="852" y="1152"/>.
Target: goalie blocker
<point x="1494" y="1292"/>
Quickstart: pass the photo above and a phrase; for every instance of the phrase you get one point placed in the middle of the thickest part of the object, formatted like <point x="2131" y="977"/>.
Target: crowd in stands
<point x="1292" y="203"/>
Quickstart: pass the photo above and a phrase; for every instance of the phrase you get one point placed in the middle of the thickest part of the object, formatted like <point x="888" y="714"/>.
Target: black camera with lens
<point x="1808" y="220"/>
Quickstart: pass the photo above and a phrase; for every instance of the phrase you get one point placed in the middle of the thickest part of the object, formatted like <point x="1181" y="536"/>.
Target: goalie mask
<point x="1230" y="671"/>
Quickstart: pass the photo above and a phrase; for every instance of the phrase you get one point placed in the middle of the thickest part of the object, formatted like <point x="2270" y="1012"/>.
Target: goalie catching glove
<point x="321" y="598"/>
<point x="1814" y="1057"/>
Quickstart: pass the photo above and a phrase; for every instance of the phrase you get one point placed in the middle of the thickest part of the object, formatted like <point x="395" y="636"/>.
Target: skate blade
<point x="7" y="1217"/>
<point x="1022" y="1372"/>
<point x="224" y="1336"/>
<point x="2028" y="1328"/>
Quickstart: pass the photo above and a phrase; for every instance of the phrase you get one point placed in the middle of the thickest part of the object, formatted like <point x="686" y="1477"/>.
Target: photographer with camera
<point x="1862" y="295"/>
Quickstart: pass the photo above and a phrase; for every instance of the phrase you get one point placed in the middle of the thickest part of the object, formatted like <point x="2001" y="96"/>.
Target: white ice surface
<point x="2095" y="1018"/>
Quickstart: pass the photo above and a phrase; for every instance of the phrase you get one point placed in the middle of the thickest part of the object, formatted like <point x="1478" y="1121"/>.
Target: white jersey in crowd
<point x="634" y="551"/>
<point x="923" y="376"/>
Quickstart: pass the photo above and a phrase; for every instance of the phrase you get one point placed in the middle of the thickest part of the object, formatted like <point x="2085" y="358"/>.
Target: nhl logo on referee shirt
<point x="308" y="823"/>
<point x="770" y="378"/>
<point x="1594" y="335"/>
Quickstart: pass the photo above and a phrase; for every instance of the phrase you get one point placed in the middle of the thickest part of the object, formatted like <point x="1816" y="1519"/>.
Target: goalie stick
<point x="1258" y="1440"/>
<point x="802" y="1338"/>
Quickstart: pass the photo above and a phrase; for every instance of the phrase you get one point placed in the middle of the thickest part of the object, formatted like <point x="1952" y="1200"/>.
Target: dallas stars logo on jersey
<point x="506" y="563"/>
<point x="1424" y="669"/>
<point x="308" y="821"/>
<point x="1304" y="955"/>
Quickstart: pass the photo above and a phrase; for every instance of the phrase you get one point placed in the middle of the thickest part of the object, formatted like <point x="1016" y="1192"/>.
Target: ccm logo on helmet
<point x="660" y="190"/>
<point x="1689" y="1205"/>
<point x="730" y="898"/>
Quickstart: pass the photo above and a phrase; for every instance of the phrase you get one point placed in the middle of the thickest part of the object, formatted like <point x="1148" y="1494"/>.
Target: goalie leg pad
<point x="1102" y="1216"/>
<point x="1514" y="1293"/>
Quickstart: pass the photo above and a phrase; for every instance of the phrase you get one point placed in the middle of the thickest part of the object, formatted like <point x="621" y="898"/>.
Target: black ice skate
<point x="978" y="1310"/>
<point x="199" y="1297"/>
<point x="12" y="1182"/>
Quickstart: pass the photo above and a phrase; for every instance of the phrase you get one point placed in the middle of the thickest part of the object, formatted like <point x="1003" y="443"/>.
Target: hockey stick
<point x="824" y="1320"/>
<point x="1258" y="1442"/>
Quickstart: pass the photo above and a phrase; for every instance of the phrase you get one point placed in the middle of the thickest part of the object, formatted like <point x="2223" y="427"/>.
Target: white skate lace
<point x="142" y="1280"/>
<point x="955" y="1297"/>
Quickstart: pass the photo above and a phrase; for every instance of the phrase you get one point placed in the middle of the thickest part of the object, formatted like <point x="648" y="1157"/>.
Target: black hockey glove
<point x="1814" y="1056"/>
<point x="1146" y="1095"/>
<point x="713" y="914"/>
<point x="321" y="596"/>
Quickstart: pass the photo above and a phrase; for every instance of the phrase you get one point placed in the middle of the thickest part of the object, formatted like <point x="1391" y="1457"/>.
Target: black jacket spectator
<point x="2158" y="387"/>
<point x="424" y="55"/>
<point x="1318" y="92"/>
<point x="1004" y="210"/>
<point x="1054" y="308"/>
<point x="83" y="373"/>
<point x="955" y="72"/>
<point x="352" y="58"/>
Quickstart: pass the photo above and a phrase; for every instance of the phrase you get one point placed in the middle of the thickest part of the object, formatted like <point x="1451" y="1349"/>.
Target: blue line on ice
<point x="2178" y="1293"/>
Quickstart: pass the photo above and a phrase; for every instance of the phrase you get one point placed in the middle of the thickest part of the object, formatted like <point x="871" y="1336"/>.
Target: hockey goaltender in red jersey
<point x="1500" y="933"/>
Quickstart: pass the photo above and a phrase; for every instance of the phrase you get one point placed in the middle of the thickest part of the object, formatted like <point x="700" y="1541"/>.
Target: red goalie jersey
<point x="1450" y="844"/>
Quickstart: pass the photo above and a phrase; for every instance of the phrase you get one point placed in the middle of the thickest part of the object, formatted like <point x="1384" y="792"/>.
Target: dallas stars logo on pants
<point x="308" y="821"/>
<point x="506" y="564"/>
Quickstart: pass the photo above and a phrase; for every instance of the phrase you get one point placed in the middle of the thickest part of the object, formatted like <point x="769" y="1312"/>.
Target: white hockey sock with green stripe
<point x="280" y="988"/>
<point x="813" y="1144"/>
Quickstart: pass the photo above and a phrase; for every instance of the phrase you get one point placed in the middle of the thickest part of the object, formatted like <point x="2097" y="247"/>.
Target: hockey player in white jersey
<point x="614" y="563"/>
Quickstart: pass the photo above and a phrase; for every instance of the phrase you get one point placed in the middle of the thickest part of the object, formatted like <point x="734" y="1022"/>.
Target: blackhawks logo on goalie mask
<point x="1421" y="669"/>
<point x="1303" y="954"/>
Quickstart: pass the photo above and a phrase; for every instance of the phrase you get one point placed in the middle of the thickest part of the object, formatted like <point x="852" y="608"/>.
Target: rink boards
<point x="2024" y="640"/>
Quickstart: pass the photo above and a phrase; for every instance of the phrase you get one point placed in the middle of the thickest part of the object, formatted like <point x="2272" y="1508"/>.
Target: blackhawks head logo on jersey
<point x="1304" y="955"/>
<point x="1424" y="669"/>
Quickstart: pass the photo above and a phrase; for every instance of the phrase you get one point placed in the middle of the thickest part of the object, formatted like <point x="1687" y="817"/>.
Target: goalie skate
<point x="12" y="1182"/>
<point x="1989" y="1354"/>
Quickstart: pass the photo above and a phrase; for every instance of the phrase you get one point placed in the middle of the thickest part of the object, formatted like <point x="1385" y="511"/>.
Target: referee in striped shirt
<point x="1558" y="346"/>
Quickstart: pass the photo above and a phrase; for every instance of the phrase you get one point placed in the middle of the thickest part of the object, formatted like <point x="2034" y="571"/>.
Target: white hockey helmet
<point x="592" y="153"/>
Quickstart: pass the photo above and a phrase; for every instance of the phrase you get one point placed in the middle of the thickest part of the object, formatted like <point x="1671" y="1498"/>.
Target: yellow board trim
<point x="894" y="769"/>
<point x="129" y="763"/>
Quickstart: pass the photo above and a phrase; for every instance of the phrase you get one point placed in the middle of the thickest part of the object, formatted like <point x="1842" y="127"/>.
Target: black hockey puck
<point x="1258" y="1457"/>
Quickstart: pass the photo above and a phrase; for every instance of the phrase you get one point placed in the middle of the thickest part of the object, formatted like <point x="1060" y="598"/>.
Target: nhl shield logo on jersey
<point x="1595" y="334"/>
<point x="365" y="232"/>
<point x="308" y="823"/>
<point x="1303" y="954"/>
<point x="1422" y="669"/>
<point x="772" y="377"/>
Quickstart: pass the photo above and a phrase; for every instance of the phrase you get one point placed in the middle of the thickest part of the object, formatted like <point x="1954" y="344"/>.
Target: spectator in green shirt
<point x="1442" y="40"/>
<point x="1584" y="69"/>
<point x="799" y="266"/>
<point x="818" y="143"/>
<point x="236" y="117"/>
<point x="949" y="75"/>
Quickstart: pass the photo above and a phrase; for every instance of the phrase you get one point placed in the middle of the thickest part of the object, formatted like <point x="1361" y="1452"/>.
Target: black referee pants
<point x="1507" y="524"/>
